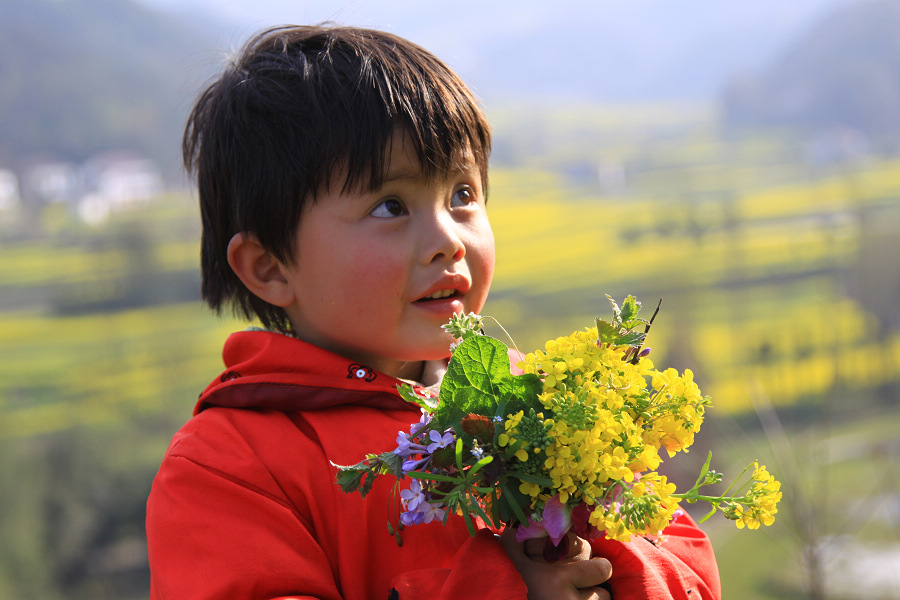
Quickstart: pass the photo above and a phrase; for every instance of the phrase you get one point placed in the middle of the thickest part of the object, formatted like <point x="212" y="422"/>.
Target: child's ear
<point x="259" y="270"/>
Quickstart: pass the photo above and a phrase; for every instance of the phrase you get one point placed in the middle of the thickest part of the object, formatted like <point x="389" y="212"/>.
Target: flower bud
<point x="479" y="427"/>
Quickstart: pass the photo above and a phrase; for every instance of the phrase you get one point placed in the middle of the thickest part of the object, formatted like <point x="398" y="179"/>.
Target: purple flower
<point x="418" y="508"/>
<point x="555" y="522"/>
<point x="425" y="512"/>
<point x="414" y="465"/>
<point x="439" y="441"/>
<point x="413" y="496"/>
<point x="424" y="420"/>
<point x="406" y="446"/>
<point x="431" y="512"/>
<point x="412" y="518"/>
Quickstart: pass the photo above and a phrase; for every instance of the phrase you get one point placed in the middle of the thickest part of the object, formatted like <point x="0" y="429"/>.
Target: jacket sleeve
<point x="263" y="551"/>
<point x="680" y="566"/>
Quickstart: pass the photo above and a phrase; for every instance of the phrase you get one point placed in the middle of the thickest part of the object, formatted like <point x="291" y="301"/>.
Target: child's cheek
<point x="371" y="265"/>
<point x="486" y="256"/>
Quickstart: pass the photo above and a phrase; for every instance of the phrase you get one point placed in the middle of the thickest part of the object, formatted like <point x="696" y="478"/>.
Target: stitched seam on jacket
<point x="246" y="485"/>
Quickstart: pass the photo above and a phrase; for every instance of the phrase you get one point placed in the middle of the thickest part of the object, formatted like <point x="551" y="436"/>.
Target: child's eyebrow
<point x="402" y="173"/>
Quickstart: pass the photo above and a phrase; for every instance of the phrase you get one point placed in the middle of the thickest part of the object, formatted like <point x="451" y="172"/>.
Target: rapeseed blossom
<point x="607" y="426"/>
<point x="571" y="444"/>
<point x="760" y="501"/>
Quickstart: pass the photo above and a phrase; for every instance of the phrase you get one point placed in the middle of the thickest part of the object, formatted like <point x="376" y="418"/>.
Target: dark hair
<point x="299" y="106"/>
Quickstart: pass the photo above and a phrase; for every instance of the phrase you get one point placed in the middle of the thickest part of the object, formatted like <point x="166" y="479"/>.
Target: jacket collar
<point x="269" y="370"/>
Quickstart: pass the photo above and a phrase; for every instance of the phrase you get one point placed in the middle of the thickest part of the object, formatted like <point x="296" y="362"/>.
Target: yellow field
<point x="558" y="251"/>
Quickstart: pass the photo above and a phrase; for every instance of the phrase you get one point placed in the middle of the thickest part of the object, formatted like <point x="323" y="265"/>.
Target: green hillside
<point x="843" y="73"/>
<point x="85" y="76"/>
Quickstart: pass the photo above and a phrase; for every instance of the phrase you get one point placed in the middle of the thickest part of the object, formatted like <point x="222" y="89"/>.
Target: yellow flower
<point x="513" y="420"/>
<point x="607" y="424"/>
<point x="761" y="500"/>
<point x="529" y="489"/>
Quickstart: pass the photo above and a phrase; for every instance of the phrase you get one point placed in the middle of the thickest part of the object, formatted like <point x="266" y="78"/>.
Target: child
<point x="342" y="177"/>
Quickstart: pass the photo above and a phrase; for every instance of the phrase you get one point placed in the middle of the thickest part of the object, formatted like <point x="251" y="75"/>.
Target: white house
<point x="9" y="190"/>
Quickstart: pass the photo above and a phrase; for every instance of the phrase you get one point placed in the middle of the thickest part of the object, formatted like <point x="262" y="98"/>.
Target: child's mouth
<point x="439" y="295"/>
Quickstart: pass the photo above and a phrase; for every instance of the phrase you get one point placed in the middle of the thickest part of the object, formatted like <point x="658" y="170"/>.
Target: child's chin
<point x="435" y="352"/>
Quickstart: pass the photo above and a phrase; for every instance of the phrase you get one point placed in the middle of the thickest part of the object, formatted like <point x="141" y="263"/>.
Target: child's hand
<point x="572" y="578"/>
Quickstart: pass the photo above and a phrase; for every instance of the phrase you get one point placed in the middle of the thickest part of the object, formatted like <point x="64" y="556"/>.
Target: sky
<point x="618" y="49"/>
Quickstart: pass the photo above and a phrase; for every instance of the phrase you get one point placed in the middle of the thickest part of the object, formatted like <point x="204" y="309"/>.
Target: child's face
<point x="376" y="274"/>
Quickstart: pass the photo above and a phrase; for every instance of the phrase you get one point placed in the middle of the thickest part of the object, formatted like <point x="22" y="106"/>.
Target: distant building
<point x="122" y="179"/>
<point x="52" y="183"/>
<point x="9" y="190"/>
<point x="115" y="182"/>
<point x="105" y="184"/>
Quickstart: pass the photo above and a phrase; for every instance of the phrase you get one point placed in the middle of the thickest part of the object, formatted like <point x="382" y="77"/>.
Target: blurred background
<point x="740" y="160"/>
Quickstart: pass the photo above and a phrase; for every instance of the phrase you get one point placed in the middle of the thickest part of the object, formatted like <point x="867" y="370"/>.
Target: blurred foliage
<point x="777" y="292"/>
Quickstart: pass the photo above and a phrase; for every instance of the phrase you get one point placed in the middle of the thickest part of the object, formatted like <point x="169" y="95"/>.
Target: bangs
<point x="400" y="89"/>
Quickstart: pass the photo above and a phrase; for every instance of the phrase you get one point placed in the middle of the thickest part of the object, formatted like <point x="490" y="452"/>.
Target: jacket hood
<point x="268" y="370"/>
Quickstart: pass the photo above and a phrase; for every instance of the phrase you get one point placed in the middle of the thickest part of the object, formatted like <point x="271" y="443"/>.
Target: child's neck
<point x="425" y="373"/>
<point x="408" y="371"/>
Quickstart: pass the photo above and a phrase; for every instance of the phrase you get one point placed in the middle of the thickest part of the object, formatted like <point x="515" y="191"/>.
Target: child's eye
<point x="463" y="197"/>
<point x="388" y="209"/>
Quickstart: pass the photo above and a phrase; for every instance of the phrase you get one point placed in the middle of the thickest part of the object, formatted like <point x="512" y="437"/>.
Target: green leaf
<point x="520" y="392"/>
<point x="469" y="385"/>
<point x="631" y="338"/>
<point x="709" y="514"/>
<point x="479" y="511"/>
<point x="478" y="381"/>
<point x="361" y="476"/>
<point x="478" y="466"/>
<point x="391" y="463"/>
<point x="617" y="312"/>
<point x="528" y="477"/>
<point x="407" y="393"/>
<point x="349" y="479"/>
<point x="467" y="517"/>
<point x="495" y="508"/>
<point x="606" y="332"/>
<point x="514" y="500"/>
<point x="431" y="476"/>
<point x="630" y="309"/>
<point x="459" y="458"/>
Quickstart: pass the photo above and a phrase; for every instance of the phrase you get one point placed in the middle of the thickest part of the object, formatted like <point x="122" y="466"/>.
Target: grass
<point x="63" y="372"/>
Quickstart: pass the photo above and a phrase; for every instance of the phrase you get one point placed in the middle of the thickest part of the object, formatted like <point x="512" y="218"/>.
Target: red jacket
<point x="245" y="503"/>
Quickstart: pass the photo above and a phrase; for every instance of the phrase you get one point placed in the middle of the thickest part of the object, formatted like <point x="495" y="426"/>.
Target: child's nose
<point x="443" y="241"/>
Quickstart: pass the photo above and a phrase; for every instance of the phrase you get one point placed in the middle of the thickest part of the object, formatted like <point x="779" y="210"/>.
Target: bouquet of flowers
<point x="571" y="444"/>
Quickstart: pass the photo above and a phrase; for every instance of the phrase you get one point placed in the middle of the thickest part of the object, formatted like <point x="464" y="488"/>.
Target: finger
<point x="534" y="548"/>
<point x="587" y="573"/>
<point x="514" y="549"/>
<point x="579" y="548"/>
<point x="594" y="593"/>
